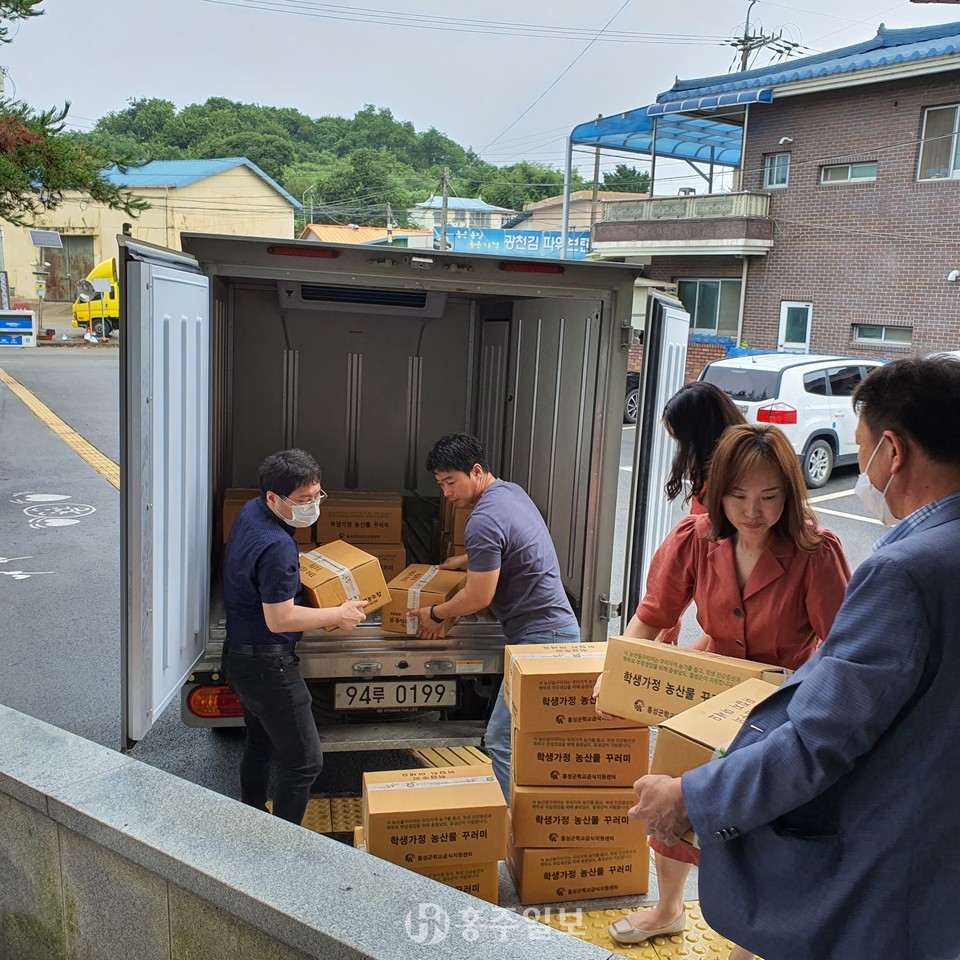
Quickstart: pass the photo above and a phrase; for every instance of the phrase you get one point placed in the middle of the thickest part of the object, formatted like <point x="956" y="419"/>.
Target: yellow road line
<point x="100" y="462"/>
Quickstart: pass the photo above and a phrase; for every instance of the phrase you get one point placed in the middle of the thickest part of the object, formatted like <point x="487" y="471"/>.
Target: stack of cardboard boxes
<point x="371" y="521"/>
<point x="453" y="526"/>
<point x="572" y="774"/>
<point x="448" y="823"/>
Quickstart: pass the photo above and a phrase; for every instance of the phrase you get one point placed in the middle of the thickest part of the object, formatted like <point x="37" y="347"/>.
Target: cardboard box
<point x="457" y="525"/>
<point x="605" y="758"/>
<point x="361" y="517"/>
<point x="481" y="880"/>
<point x="420" y="585"/>
<point x="439" y="816"/>
<point x="392" y="557"/>
<point x="450" y="549"/>
<point x="337" y="572"/>
<point x="649" y="681"/>
<point x="453" y="520"/>
<point x="233" y="500"/>
<point x="694" y="737"/>
<point x="557" y="693"/>
<point x="564" y="875"/>
<point x="545" y="651"/>
<point x="591" y="817"/>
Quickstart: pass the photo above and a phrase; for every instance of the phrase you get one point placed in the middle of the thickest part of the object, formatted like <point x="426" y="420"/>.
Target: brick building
<point x="843" y="228"/>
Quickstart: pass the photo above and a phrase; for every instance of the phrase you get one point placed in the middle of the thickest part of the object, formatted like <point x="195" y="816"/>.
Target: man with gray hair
<point x="828" y="829"/>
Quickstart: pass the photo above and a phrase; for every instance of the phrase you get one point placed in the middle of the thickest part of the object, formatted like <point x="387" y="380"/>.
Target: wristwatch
<point x="434" y="617"/>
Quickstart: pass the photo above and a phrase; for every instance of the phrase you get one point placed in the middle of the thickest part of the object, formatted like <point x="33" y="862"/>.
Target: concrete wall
<point x="103" y="857"/>
<point x="235" y="202"/>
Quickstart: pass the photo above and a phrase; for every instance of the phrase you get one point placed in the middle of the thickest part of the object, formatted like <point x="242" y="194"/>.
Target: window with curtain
<point x="776" y="170"/>
<point x="713" y="305"/>
<point x="939" y="146"/>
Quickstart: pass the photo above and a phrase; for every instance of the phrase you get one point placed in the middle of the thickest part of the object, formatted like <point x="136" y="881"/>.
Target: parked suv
<point x="806" y="396"/>
<point x="631" y="402"/>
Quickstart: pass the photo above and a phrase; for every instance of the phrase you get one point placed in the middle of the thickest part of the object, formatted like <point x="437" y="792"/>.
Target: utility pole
<point x="389" y="223"/>
<point x="751" y="42"/>
<point x="443" y="208"/>
<point x="746" y="49"/>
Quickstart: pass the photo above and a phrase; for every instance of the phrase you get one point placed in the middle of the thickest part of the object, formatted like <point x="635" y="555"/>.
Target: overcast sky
<point x="473" y="71"/>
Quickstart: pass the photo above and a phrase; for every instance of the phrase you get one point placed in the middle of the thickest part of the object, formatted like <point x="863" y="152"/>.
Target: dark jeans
<point x="280" y="730"/>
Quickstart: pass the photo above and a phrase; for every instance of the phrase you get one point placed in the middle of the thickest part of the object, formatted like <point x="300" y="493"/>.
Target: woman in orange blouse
<point x="767" y="582"/>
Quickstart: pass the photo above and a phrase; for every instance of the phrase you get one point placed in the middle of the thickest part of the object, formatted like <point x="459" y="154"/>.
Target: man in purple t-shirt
<point x="511" y="566"/>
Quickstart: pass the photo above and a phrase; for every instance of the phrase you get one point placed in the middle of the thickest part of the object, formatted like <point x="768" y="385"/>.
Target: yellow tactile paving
<point x="100" y="462"/>
<point x="331" y="814"/>
<point x="452" y="756"/>
<point x="346" y="813"/>
<point x="697" y="941"/>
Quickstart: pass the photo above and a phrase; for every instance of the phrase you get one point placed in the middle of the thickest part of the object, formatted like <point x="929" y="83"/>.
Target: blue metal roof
<point x="177" y="174"/>
<point x="886" y="48"/>
<point x="685" y="131"/>
<point x="460" y="203"/>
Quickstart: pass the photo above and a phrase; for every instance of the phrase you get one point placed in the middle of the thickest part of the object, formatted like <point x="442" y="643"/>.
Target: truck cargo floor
<point x="401" y="736"/>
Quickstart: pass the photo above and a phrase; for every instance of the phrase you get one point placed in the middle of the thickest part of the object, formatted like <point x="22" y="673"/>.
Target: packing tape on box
<point x="413" y="599"/>
<point x="344" y="574"/>
<point x="415" y="784"/>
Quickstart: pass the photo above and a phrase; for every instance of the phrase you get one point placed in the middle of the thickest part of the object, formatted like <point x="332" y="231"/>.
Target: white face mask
<point x="304" y="514"/>
<point x="873" y="499"/>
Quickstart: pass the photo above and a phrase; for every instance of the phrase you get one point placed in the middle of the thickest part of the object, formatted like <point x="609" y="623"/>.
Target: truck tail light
<point x="532" y="267"/>
<point x="778" y="413"/>
<point x="214" y="701"/>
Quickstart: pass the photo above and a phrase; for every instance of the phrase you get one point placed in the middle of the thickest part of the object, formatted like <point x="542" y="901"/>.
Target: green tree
<point x="626" y="179"/>
<point x="358" y="187"/>
<point x="523" y="183"/>
<point x="39" y="161"/>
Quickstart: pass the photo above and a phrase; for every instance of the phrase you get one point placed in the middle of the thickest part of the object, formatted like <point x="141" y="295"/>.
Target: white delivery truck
<point x="364" y="356"/>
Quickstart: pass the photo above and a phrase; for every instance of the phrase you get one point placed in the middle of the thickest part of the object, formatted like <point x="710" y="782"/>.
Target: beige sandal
<point x="623" y="931"/>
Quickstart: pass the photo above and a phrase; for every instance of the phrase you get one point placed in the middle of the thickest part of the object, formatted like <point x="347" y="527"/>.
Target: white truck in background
<point x="364" y="355"/>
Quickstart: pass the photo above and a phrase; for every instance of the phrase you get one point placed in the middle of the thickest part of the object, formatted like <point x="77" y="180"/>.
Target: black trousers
<point x="280" y="732"/>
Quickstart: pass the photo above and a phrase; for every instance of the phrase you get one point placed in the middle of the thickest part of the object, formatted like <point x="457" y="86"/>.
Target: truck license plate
<point x="391" y="694"/>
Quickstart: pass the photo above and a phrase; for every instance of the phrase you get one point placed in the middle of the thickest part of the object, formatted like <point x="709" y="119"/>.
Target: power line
<point x="563" y="73"/>
<point x="308" y="8"/>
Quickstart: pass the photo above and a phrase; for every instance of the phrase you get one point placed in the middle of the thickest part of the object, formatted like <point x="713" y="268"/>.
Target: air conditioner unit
<point x="301" y="295"/>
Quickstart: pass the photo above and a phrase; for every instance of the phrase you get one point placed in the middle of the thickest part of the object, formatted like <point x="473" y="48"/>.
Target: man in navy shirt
<point x="261" y="592"/>
<point x="511" y="565"/>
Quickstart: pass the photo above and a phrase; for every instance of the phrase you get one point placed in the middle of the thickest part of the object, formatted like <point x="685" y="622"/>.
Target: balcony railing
<point x="706" y="206"/>
<point x="721" y="224"/>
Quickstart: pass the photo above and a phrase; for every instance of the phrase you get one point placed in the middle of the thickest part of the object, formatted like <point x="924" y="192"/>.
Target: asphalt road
<point x="59" y="570"/>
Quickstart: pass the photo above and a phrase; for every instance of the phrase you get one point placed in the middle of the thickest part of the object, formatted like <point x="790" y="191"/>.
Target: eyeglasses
<point x="308" y="503"/>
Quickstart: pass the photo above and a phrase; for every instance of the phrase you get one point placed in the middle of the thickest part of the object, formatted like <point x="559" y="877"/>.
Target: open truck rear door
<point x="165" y="478"/>
<point x="662" y="374"/>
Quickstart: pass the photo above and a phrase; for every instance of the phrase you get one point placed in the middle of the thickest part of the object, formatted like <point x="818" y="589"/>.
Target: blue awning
<point x="684" y="128"/>
<point x="711" y="103"/>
